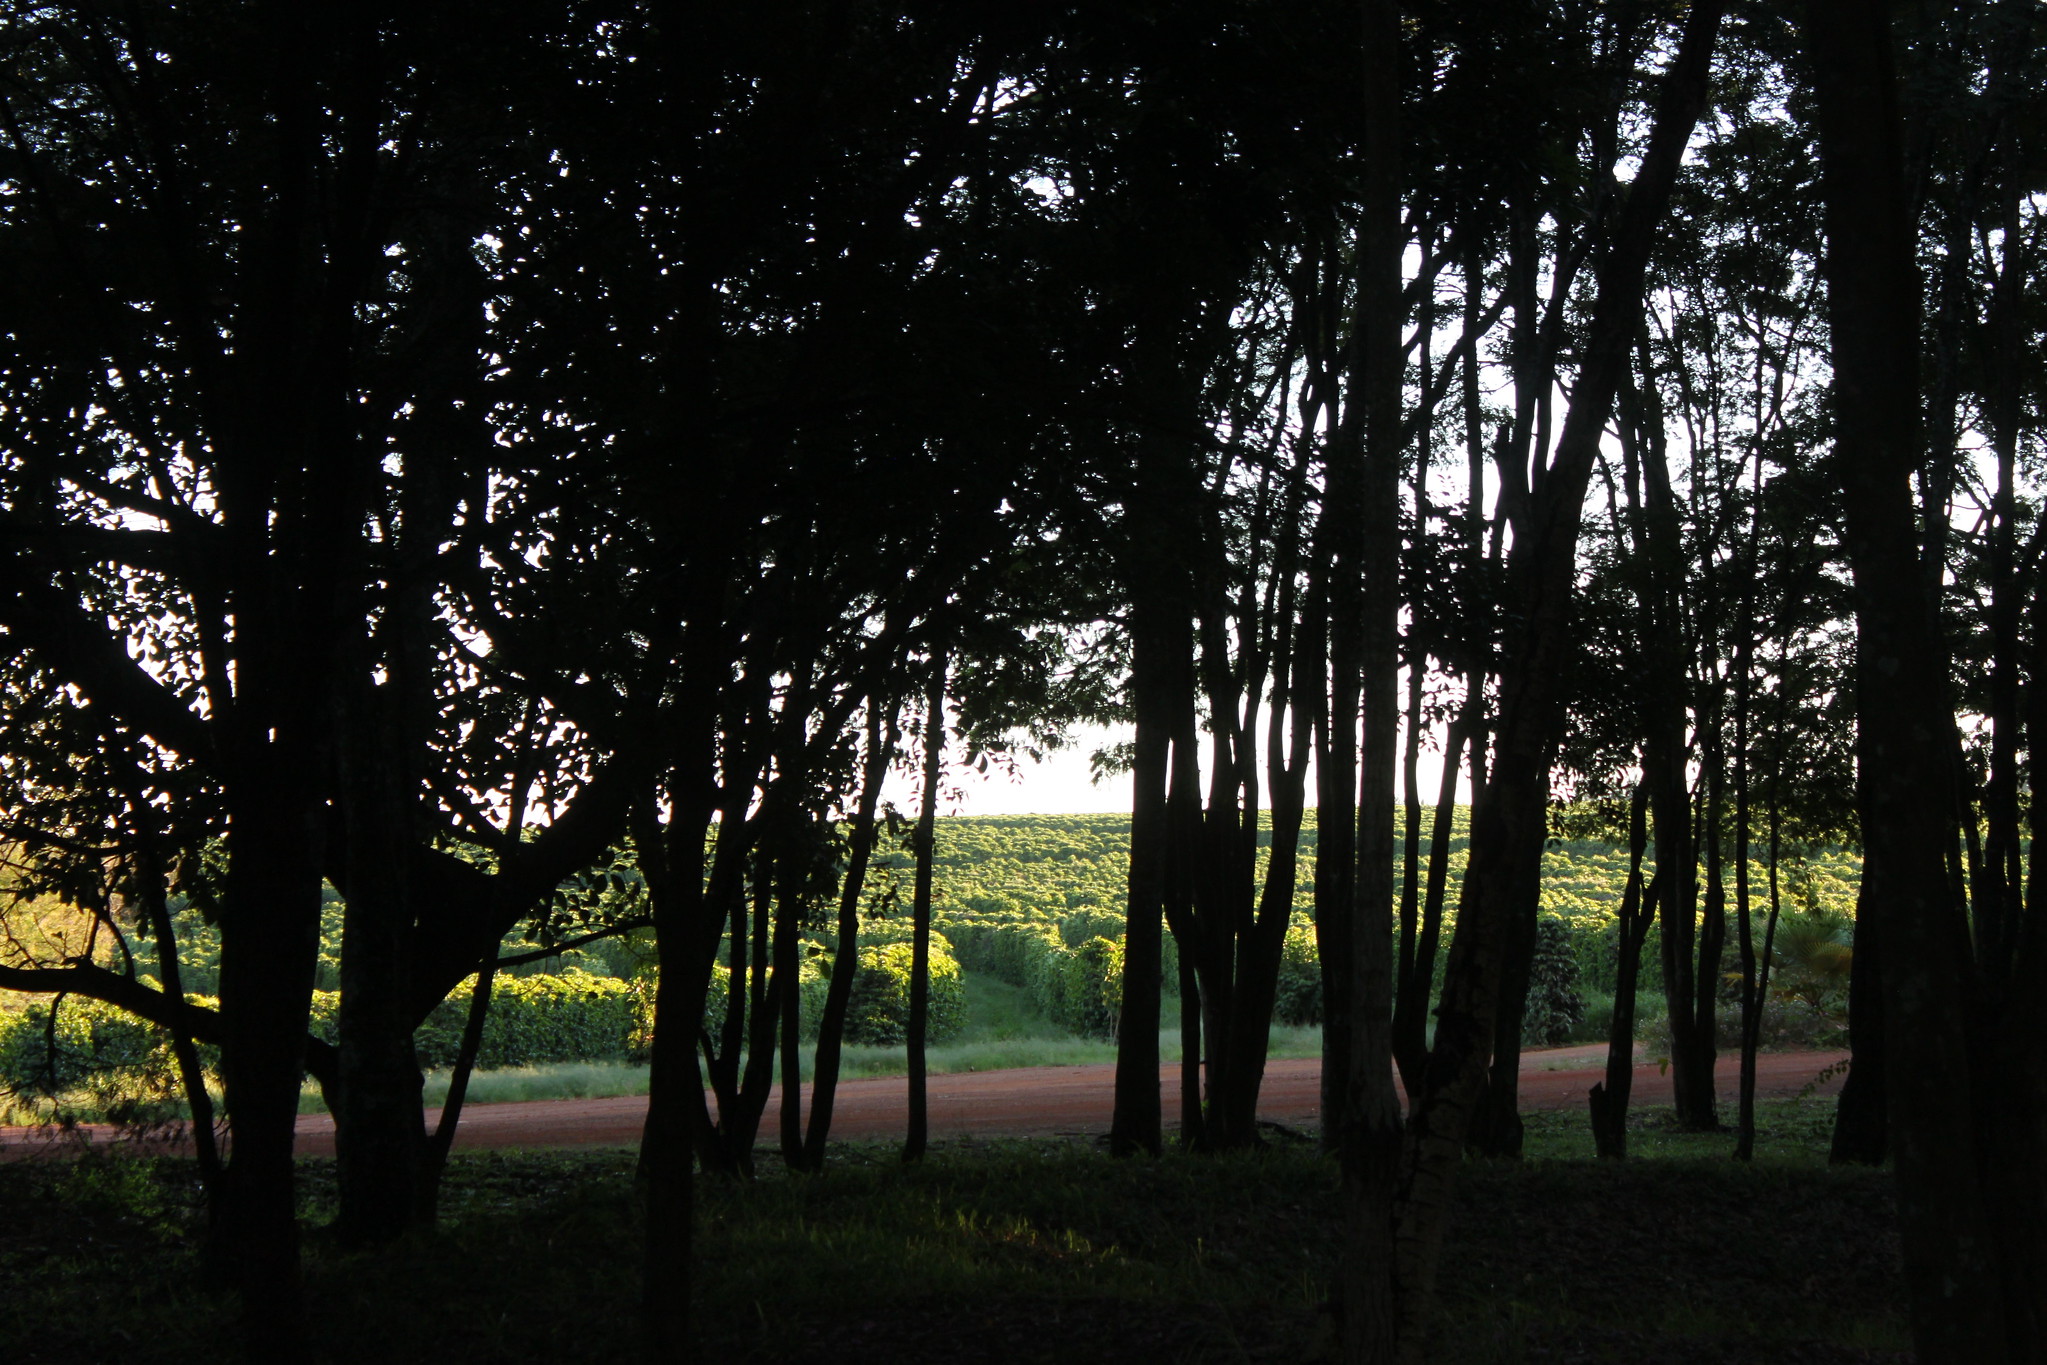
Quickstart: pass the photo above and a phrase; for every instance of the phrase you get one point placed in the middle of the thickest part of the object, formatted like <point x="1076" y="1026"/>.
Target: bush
<point x="879" y="1010"/>
<point x="1554" y="1005"/>
<point x="1091" y="987"/>
<point x="570" y="1017"/>
<point x="815" y="979"/>
<point x="122" y="1064"/>
<point x="1299" y="1000"/>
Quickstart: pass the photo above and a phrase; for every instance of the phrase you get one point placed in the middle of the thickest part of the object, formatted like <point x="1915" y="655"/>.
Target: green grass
<point x="1009" y="1251"/>
<point x="1002" y="1032"/>
<point x="1795" y="1132"/>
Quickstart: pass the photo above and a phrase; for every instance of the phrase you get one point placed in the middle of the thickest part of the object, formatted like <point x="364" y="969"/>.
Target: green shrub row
<point x="1299" y="999"/>
<point x="878" y="1011"/>
<point x="814" y="975"/>
<point x="570" y="1017"/>
<point x="99" y="1048"/>
<point x="1554" y="1008"/>
<point x="1072" y="969"/>
<point x="1079" y="987"/>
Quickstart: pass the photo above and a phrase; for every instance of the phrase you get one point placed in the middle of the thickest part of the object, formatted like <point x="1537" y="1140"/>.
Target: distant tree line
<point x="556" y="464"/>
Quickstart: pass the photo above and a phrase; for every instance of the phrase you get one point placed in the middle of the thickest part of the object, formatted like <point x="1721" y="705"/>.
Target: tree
<point x="1507" y="829"/>
<point x="1969" y="1184"/>
<point x="252" y="343"/>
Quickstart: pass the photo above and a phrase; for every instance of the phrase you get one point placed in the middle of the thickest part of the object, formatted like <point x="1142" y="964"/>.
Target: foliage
<point x="815" y="977"/>
<point x="879" y="1010"/>
<point x="1299" y="1001"/>
<point x="570" y="1017"/>
<point x="66" y="1049"/>
<point x="1554" y="1005"/>
<point x="1810" y="957"/>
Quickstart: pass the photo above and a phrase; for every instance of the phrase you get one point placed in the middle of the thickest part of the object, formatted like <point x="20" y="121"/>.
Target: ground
<point x="1015" y="1249"/>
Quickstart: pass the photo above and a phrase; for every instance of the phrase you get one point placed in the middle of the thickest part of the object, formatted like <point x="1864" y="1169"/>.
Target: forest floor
<point x="990" y="1251"/>
<point x="1016" y="1240"/>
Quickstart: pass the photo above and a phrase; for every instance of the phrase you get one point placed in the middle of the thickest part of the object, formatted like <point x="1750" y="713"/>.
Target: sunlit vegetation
<point x="1018" y="901"/>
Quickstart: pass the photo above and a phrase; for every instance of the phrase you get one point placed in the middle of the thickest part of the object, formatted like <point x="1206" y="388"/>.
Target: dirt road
<point x="1049" y="1101"/>
<point x="1037" y="1102"/>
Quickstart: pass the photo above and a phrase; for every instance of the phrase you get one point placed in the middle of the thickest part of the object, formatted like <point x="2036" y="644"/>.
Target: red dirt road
<point x="1056" y="1101"/>
<point x="1037" y="1102"/>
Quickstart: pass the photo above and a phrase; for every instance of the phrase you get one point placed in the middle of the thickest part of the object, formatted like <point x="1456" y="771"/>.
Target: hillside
<point x="1052" y="865"/>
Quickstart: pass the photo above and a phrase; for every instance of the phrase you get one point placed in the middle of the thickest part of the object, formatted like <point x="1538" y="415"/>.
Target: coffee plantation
<point x="1033" y="901"/>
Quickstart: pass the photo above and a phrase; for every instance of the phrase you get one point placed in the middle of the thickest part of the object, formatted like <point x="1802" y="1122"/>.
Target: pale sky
<point x="1059" y="785"/>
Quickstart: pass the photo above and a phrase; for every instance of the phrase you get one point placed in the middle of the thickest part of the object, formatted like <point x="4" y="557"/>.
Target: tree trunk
<point x="1196" y="878"/>
<point x="1751" y="984"/>
<point x="920" y="910"/>
<point x="435" y="1164"/>
<point x="1975" y="1291"/>
<point x="379" y="1125"/>
<point x="789" y="966"/>
<point x="674" y="885"/>
<point x="270" y="937"/>
<point x="1610" y="1098"/>
<point x="1507" y="821"/>
<point x="1697" y="1102"/>
<point x="1368" y="1296"/>
<point x="1862" y="1134"/>
<point x="152" y="888"/>
<point x="831" y="1028"/>
<point x="1137" y="1123"/>
<point x="1410" y="1013"/>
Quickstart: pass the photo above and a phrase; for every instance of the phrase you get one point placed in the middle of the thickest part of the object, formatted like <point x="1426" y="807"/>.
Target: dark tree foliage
<point x="573" y="466"/>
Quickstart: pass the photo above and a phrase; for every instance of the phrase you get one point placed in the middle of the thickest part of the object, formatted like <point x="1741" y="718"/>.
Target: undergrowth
<point x="1009" y="1251"/>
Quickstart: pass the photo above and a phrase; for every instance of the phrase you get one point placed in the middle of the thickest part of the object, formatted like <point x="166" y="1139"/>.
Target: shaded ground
<point x="1003" y="1251"/>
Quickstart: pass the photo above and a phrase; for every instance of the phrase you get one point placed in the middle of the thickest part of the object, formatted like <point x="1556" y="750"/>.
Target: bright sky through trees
<point x="1062" y="782"/>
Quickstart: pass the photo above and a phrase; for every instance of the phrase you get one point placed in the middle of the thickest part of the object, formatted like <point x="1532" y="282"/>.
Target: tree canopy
<point x="482" y="461"/>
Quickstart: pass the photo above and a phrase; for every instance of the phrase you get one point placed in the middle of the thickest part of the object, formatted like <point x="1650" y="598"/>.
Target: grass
<point x="1002" y="1032"/>
<point x="1010" y="1251"/>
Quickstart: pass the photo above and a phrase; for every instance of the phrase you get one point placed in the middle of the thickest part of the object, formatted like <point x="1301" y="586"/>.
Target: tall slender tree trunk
<point x="270" y="935"/>
<point x="152" y="889"/>
<point x="1369" y="1131"/>
<point x="1410" y="1013"/>
<point x="1971" y="1269"/>
<point x="1137" y="1124"/>
<point x="380" y="1126"/>
<point x="442" y="1140"/>
<point x="672" y="863"/>
<point x="789" y="1017"/>
<point x="1611" y="1096"/>
<point x="1862" y="1133"/>
<point x="1196" y="872"/>
<point x="1696" y="1101"/>
<point x="920" y="910"/>
<point x="1751" y="983"/>
<point x="831" y="1028"/>
<point x="1507" y="822"/>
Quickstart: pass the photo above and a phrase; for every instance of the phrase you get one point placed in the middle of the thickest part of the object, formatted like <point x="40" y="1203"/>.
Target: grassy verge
<point x="1002" y="1032"/>
<point x="1009" y="1251"/>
